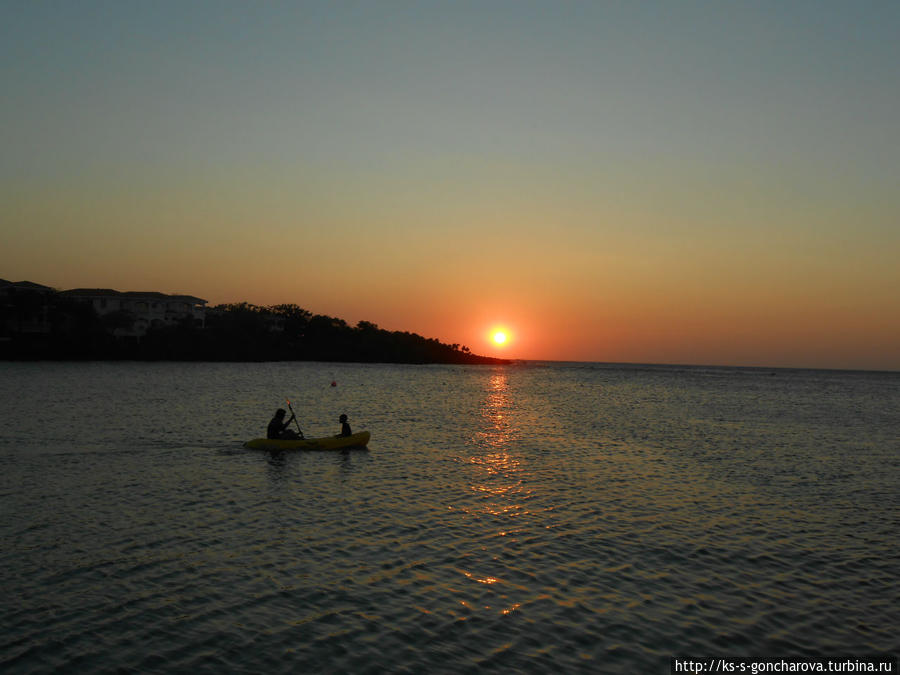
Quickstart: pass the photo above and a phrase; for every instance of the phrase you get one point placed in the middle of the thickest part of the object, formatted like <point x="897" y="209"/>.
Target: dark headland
<point x="38" y="322"/>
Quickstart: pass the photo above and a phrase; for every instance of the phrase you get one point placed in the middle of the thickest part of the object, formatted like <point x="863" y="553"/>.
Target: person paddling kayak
<point x="278" y="428"/>
<point x="345" y="428"/>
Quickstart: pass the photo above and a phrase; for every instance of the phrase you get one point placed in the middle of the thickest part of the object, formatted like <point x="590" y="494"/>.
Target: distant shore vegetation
<point x="52" y="326"/>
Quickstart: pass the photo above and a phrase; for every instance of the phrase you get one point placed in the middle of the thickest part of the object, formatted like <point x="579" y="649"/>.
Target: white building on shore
<point x="147" y="309"/>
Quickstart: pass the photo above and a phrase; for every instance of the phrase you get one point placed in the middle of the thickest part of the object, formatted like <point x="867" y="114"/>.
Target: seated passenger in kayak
<point x="278" y="428"/>
<point x="345" y="428"/>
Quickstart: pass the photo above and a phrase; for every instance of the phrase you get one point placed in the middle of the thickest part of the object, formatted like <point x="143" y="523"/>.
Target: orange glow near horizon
<point x="500" y="338"/>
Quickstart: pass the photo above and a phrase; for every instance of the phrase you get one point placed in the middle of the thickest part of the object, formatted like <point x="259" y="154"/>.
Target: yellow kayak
<point x="357" y="440"/>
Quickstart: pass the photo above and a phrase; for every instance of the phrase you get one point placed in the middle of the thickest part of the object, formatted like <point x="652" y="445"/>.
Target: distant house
<point x="7" y="287"/>
<point x="139" y="311"/>
<point x="24" y="307"/>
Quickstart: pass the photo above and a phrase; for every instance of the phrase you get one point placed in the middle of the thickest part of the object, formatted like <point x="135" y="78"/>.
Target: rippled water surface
<point x="538" y="518"/>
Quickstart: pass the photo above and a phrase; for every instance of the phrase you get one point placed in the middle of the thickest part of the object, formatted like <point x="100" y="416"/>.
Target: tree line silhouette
<point x="52" y="326"/>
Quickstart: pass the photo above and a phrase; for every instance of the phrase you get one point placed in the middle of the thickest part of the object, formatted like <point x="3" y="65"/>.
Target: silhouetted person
<point x="278" y="428"/>
<point x="345" y="428"/>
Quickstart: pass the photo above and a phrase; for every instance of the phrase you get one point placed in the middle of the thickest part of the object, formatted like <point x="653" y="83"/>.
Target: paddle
<point x="295" y="418"/>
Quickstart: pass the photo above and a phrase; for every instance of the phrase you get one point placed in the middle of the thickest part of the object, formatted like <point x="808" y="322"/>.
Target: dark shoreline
<point x="200" y="347"/>
<point x="475" y="361"/>
<point x="38" y="323"/>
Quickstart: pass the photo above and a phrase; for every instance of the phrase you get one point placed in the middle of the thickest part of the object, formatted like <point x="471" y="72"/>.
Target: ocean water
<point x="532" y="518"/>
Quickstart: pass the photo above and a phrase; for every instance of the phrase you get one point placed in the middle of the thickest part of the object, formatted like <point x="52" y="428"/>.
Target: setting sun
<point x="499" y="335"/>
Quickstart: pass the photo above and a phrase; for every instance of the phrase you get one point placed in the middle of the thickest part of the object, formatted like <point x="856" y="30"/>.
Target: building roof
<point x="91" y="292"/>
<point x="25" y="286"/>
<point x="109" y="292"/>
<point x="163" y="296"/>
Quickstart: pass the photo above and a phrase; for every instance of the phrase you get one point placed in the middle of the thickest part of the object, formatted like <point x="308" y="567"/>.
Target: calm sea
<point x="534" y="518"/>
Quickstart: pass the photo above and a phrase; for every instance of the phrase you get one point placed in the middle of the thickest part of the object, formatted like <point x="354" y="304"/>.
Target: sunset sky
<point x="671" y="182"/>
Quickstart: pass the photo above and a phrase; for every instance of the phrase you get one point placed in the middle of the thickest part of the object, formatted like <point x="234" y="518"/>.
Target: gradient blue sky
<point x="693" y="182"/>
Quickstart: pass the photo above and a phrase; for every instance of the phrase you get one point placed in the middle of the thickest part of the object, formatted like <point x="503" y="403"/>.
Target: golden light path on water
<point x="500" y="475"/>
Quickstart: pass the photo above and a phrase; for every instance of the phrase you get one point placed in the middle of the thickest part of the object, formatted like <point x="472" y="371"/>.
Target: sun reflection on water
<point x="497" y="430"/>
<point x="482" y="580"/>
<point x="498" y="477"/>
